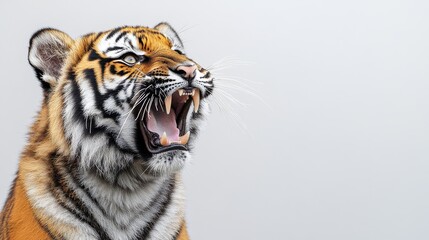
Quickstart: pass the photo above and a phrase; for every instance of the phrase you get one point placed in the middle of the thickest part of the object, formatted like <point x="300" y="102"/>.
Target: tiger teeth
<point x="196" y="99"/>
<point x="185" y="138"/>
<point x="168" y="104"/>
<point x="182" y="140"/>
<point x="164" y="140"/>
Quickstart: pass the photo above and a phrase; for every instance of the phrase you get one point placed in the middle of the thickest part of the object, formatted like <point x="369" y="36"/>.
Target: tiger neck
<point x="157" y="206"/>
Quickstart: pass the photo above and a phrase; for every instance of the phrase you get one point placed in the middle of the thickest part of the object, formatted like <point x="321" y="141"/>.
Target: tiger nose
<point x="187" y="72"/>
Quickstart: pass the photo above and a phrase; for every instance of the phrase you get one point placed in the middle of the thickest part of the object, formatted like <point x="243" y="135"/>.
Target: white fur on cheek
<point x="92" y="149"/>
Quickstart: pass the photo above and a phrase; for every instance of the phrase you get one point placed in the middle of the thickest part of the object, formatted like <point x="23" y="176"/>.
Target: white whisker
<point x="128" y="115"/>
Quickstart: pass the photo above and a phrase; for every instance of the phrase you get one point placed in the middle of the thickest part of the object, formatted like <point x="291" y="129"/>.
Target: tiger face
<point x="125" y="98"/>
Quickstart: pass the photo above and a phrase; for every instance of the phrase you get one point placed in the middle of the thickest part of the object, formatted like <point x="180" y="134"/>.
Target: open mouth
<point x="164" y="127"/>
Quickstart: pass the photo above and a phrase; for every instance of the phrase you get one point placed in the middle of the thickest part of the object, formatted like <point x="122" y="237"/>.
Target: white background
<point x="337" y="148"/>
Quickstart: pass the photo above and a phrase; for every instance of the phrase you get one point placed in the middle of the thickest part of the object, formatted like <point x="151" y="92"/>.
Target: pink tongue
<point x="160" y="122"/>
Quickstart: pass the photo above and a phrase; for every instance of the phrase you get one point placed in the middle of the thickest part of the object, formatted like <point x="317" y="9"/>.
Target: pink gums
<point x="160" y="122"/>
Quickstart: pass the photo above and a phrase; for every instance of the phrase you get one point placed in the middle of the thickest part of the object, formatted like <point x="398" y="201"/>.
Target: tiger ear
<point x="47" y="54"/>
<point x="171" y="34"/>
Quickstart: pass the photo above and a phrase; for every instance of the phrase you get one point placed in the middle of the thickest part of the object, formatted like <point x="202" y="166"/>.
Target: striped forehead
<point x="116" y="43"/>
<point x="120" y="41"/>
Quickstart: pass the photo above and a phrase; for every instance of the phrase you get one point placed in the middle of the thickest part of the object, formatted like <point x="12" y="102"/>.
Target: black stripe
<point x="78" y="114"/>
<point x="120" y="36"/>
<point x="113" y="70"/>
<point x="113" y="32"/>
<point x="44" y="84"/>
<point x="130" y="43"/>
<point x="141" y="40"/>
<point x="90" y="76"/>
<point x="113" y="49"/>
<point x="207" y="75"/>
<point x="93" y="55"/>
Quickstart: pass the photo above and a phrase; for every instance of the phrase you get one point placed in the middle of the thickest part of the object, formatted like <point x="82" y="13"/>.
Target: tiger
<point x="120" y="113"/>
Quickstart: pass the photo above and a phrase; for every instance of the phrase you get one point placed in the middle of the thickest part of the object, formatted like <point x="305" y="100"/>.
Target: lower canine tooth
<point x="164" y="140"/>
<point x="168" y="104"/>
<point x="185" y="138"/>
<point x="196" y="99"/>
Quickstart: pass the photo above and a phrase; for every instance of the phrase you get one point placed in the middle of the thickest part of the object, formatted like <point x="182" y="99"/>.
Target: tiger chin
<point x="119" y="117"/>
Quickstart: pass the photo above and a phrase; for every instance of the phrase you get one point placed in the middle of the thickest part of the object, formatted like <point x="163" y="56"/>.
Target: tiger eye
<point x="130" y="59"/>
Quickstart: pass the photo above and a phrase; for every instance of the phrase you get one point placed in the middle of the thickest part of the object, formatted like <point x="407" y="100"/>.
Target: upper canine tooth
<point x="164" y="140"/>
<point x="193" y="92"/>
<point x="185" y="138"/>
<point x="180" y="92"/>
<point x="196" y="99"/>
<point x="168" y="104"/>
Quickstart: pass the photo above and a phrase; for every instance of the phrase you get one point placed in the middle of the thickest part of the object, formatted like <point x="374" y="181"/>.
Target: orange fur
<point x="183" y="234"/>
<point x="21" y="223"/>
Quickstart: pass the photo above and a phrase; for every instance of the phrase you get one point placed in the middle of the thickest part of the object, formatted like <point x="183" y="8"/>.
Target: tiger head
<point x="128" y="98"/>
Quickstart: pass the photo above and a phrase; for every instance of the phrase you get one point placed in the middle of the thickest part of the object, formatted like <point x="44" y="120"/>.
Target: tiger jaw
<point x="165" y="128"/>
